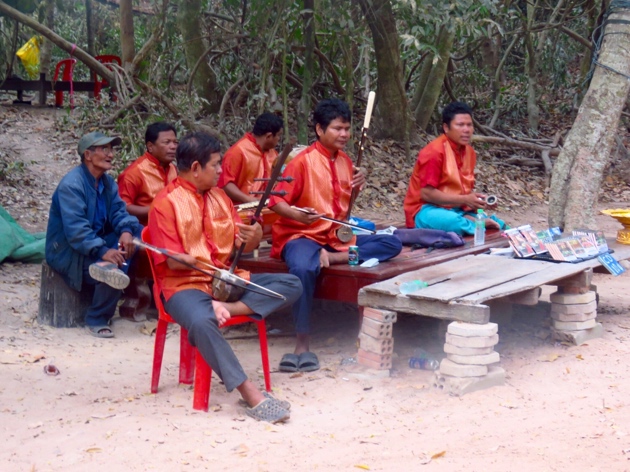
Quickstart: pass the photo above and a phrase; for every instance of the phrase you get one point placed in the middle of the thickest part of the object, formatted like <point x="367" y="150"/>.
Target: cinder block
<point x="572" y="298"/>
<point x="578" y="337"/>
<point x="574" y="290"/>
<point x="372" y="364"/>
<point x="382" y="316"/>
<point x="574" y="317"/>
<point x="460" y="328"/>
<point x="574" y="309"/>
<point x="467" y="351"/>
<point x="472" y="341"/>
<point x="379" y="346"/>
<point x="448" y="367"/>
<point x="574" y="325"/>
<point x="483" y="359"/>
<point x="459" y="386"/>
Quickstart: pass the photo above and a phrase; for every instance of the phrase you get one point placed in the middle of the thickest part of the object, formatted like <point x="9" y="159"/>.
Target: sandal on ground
<point x="109" y="274"/>
<point x="100" y="331"/>
<point x="289" y="363"/>
<point x="269" y="411"/>
<point x="308" y="362"/>
<point x="283" y="403"/>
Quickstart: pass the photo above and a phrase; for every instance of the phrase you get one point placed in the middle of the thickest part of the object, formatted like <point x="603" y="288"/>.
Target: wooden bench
<point x="342" y="282"/>
<point x="43" y="87"/>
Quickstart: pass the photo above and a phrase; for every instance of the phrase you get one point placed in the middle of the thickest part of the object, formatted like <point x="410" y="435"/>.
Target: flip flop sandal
<point x="269" y="411"/>
<point x="100" y="331"/>
<point x="50" y="369"/>
<point x="289" y="363"/>
<point x="109" y="274"/>
<point x="283" y="403"/>
<point x="308" y="362"/>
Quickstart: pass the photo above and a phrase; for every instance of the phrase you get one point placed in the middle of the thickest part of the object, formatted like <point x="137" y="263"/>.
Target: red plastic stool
<point x="68" y="69"/>
<point x="99" y="82"/>
<point x="191" y="363"/>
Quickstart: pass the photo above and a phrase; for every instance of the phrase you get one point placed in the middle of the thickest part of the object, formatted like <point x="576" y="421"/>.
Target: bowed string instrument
<point x="233" y="290"/>
<point x="344" y="232"/>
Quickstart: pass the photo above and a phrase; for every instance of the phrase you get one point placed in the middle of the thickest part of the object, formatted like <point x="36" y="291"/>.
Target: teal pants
<point x="434" y="217"/>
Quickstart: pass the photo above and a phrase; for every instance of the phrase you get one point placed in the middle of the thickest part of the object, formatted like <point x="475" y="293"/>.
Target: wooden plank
<point x="428" y="274"/>
<point x="479" y="314"/>
<point x="555" y="272"/>
<point x="496" y="270"/>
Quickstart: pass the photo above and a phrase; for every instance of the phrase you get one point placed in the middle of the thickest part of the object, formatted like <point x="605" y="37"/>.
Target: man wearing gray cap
<point x="89" y="237"/>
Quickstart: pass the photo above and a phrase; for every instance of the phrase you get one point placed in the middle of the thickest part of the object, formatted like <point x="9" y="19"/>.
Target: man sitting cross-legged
<point x="197" y="220"/>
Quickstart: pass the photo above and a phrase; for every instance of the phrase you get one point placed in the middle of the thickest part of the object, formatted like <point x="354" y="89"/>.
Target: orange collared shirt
<point x="322" y="182"/>
<point x="444" y="165"/>
<point x="186" y="222"/>
<point x="244" y="162"/>
<point x="139" y="183"/>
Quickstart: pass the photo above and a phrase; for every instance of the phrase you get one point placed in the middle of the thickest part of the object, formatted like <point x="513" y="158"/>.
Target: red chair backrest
<point x="157" y="287"/>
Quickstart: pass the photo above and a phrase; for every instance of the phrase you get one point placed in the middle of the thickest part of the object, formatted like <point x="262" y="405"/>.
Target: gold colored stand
<point x="623" y="217"/>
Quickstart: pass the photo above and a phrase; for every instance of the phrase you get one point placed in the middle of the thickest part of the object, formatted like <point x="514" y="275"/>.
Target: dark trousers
<point x="192" y="309"/>
<point x="105" y="298"/>
<point x="302" y="257"/>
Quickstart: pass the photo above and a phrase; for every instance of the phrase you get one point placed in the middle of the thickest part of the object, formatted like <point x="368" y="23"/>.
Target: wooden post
<point x="59" y="305"/>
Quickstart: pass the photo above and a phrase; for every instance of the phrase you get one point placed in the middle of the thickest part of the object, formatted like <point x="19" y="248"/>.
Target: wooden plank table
<point x="342" y="282"/>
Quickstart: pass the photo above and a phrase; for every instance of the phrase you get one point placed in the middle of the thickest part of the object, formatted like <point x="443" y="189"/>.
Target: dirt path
<point x="563" y="407"/>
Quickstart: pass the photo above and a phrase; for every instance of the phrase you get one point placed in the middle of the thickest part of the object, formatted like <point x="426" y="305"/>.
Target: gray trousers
<point x="192" y="309"/>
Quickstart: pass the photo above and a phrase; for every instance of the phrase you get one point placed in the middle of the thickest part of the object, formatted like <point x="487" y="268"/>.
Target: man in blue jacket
<point x="89" y="237"/>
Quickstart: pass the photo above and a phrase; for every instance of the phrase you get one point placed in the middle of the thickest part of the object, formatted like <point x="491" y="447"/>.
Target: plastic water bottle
<point x="411" y="286"/>
<point x="480" y="228"/>
<point x="421" y="359"/>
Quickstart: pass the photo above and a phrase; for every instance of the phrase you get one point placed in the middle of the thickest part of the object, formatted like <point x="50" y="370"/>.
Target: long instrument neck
<point x="355" y="191"/>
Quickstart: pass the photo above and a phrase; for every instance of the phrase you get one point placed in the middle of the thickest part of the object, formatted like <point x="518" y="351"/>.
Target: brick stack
<point x="469" y="354"/>
<point x="469" y="349"/>
<point x="574" y="315"/>
<point x="376" y="344"/>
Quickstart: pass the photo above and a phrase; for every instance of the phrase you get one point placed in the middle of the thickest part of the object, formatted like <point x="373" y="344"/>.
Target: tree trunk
<point x="89" y="27"/>
<point x="47" y="17"/>
<point x="392" y="113"/>
<point x="431" y="93"/>
<point x="77" y="52"/>
<point x="127" y="45"/>
<point x="578" y="172"/>
<point x="189" y="21"/>
<point x="422" y="80"/>
<point x="304" y="108"/>
<point x="533" y="113"/>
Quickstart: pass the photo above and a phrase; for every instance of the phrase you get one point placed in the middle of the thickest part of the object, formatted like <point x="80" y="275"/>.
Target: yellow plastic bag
<point x="29" y="55"/>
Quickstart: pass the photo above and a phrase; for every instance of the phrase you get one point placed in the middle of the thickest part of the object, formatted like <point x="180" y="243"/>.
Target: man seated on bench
<point x="440" y="193"/>
<point x="89" y="236"/>
<point x="252" y="157"/>
<point x="196" y="220"/>
<point x="323" y="181"/>
<point x="141" y="181"/>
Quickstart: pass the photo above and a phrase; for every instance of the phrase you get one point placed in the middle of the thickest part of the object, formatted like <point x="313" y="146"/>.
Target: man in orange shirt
<point x="251" y="158"/>
<point x="193" y="218"/>
<point x="440" y="193"/>
<point x="139" y="183"/>
<point x="323" y="181"/>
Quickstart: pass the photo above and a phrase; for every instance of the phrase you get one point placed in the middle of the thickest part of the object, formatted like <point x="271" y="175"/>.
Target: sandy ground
<point x="563" y="407"/>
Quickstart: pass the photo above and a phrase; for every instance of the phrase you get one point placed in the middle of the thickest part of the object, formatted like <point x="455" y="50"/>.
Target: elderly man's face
<point x="99" y="159"/>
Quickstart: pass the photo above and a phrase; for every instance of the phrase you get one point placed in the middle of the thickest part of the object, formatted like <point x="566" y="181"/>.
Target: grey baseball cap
<point x="96" y="138"/>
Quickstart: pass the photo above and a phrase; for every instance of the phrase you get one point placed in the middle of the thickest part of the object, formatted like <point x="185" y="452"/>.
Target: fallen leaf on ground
<point x="92" y="450"/>
<point x="362" y="466"/>
<point x="549" y="358"/>
<point x="438" y="454"/>
<point x="579" y="356"/>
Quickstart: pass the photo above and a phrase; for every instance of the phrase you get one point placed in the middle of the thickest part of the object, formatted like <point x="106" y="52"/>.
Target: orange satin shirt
<point x="444" y="165"/>
<point x="244" y="162"/>
<point x="204" y="226"/>
<point x="139" y="183"/>
<point x="320" y="182"/>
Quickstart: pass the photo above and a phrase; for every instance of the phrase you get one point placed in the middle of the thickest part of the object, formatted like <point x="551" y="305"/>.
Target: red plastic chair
<point x="68" y="69"/>
<point x="99" y="82"/>
<point x="188" y="354"/>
